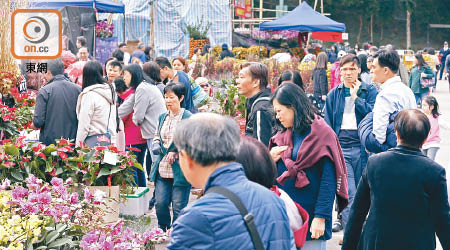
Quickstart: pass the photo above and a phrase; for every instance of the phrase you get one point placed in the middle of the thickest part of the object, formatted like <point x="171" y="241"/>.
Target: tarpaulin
<point x="107" y="6"/>
<point x="327" y="36"/>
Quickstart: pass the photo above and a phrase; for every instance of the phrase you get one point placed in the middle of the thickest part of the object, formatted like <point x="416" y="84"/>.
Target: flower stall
<point x="105" y="43"/>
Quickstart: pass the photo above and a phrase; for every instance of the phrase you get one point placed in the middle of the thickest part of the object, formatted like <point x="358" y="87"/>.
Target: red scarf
<point x="321" y="142"/>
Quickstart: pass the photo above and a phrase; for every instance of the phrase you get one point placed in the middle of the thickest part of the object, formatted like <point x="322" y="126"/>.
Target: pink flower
<point x="87" y="194"/>
<point x="19" y="193"/>
<point x="69" y="181"/>
<point x="45" y="198"/>
<point x="56" y="181"/>
<point x="74" y="198"/>
<point x="5" y="184"/>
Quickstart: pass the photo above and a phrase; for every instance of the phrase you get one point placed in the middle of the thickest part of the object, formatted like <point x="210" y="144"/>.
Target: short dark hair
<point x="373" y="48"/>
<point x="350" y="58"/>
<point x="351" y="51"/>
<point x="92" y="74"/>
<point x="122" y="45"/>
<point x="258" y="71"/>
<point x="120" y="85"/>
<point x="388" y="58"/>
<point x="82" y="40"/>
<point x="413" y="126"/>
<point x="431" y="51"/>
<point x="55" y="66"/>
<point x="177" y="88"/>
<point x="291" y="76"/>
<point x="118" y="54"/>
<point x="140" y="46"/>
<point x="292" y="96"/>
<point x="425" y="50"/>
<point x="258" y="165"/>
<point x="163" y="62"/>
<point x="137" y="75"/>
<point x="115" y="64"/>
<point x="151" y="69"/>
<point x="147" y="50"/>
<point x="84" y="47"/>
<point x="197" y="49"/>
<point x="365" y="46"/>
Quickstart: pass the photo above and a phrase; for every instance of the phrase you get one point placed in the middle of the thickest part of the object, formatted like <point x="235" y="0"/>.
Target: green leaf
<point x="88" y="156"/>
<point x="17" y="175"/>
<point x="61" y="227"/>
<point x="103" y="171"/>
<point x="48" y="150"/>
<point x="59" y="171"/>
<point x="41" y="247"/>
<point x="30" y="246"/>
<point x="138" y="166"/>
<point x="12" y="150"/>
<point x="115" y="169"/>
<point x="60" y="242"/>
<point x="51" y="237"/>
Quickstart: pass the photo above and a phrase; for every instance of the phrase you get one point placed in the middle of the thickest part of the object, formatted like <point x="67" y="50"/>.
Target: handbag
<point x="427" y="82"/>
<point x="105" y="138"/>
<point x="248" y="217"/>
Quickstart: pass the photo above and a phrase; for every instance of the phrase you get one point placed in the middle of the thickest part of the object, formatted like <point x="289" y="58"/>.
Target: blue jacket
<point x="188" y="103"/>
<point x="213" y="222"/>
<point x="335" y="104"/>
<point x="368" y="139"/>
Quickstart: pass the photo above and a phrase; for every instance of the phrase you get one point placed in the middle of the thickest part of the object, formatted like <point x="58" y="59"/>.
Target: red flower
<point x="133" y="149"/>
<point x="53" y="173"/>
<point x="100" y="148"/>
<point x="9" y="164"/>
<point x="61" y="154"/>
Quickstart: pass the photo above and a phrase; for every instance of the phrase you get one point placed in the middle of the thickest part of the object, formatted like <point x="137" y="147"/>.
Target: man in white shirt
<point x="126" y="56"/>
<point x="394" y="95"/>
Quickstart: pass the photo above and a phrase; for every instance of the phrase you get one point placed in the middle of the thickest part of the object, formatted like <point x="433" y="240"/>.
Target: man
<point x="139" y="53"/>
<point x="126" y="56"/>
<point x="444" y="52"/>
<point x="393" y="97"/>
<point x="83" y="54"/>
<point x="213" y="221"/>
<point x="113" y="70"/>
<point x="404" y="194"/>
<point x="81" y="42"/>
<point x="252" y="83"/>
<point x="166" y="72"/>
<point x="345" y="107"/>
<point x="55" y="111"/>
<point x="373" y="50"/>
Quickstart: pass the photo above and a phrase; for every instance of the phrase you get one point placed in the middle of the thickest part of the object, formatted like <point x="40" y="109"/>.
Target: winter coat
<point x="95" y="104"/>
<point x="414" y="79"/>
<point x="320" y="82"/>
<point x="260" y="120"/>
<point x="404" y="194"/>
<point x="213" y="221"/>
<point x="368" y="139"/>
<point x="133" y="135"/>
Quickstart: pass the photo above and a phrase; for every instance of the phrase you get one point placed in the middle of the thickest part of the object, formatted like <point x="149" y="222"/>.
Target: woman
<point x="151" y="70"/>
<point x="309" y="160"/>
<point x="401" y="202"/>
<point x="197" y="54"/>
<point x="180" y="64"/>
<point x="225" y="52"/>
<point x="419" y="71"/>
<point x="96" y="108"/>
<point x="170" y="184"/>
<point x="260" y="168"/>
<point x="332" y="54"/>
<point x="133" y="136"/>
<point x="206" y="49"/>
<point x="320" y="79"/>
<point x="291" y="76"/>
<point x="365" y="72"/>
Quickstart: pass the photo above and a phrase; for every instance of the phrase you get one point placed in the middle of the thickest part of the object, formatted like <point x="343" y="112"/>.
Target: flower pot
<point x="104" y="48"/>
<point x="193" y="44"/>
<point x="112" y="202"/>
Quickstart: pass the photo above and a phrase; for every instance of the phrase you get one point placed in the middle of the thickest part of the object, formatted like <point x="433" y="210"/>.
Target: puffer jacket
<point x="213" y="221"/>
<point x="94" y="105"/>
<point x="368" y="139"/>
<point x="260" y="120"/>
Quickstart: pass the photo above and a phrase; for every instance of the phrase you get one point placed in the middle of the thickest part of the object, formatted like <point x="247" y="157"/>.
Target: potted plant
<point x="198" y="35"/>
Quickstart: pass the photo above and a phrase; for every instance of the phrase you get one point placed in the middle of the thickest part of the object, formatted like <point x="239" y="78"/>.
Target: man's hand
<point x="275" y="152"/>
<point x="317" y="228"/>
<point x="354" y="89"/>
<point x="33" y="127"/>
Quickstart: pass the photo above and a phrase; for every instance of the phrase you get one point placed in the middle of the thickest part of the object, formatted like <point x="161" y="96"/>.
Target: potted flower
<point x="198" y="35"/>
<point x="105" y="42"/>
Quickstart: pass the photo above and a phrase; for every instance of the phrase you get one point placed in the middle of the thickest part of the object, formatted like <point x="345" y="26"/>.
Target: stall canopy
<point x="106" y="6"/>
<point x="304" y="18"/>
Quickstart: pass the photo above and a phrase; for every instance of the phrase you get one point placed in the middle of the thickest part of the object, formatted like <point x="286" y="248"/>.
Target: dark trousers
<point x="139" y="175"/>
<point x="165" y="194"/>
<point x="441" y="70"/>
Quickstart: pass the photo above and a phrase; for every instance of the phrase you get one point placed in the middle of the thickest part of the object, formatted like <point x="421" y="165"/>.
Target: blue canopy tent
<point x="102" y="6"/>
<point x="304" y="18"/>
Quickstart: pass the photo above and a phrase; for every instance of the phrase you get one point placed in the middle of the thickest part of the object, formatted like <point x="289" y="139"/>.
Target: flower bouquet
<point x="104" y="29"/>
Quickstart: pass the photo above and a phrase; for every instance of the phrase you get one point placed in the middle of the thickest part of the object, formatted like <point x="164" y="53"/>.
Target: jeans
<point x="430" y="152"/>
<point x="419" y="97"/>
<point x="441" y="70"/>
<point x="355" y="161"/>
<point x="166" y="193"/>
<point x="315" y="245"/>
<point x="139" y="175"/>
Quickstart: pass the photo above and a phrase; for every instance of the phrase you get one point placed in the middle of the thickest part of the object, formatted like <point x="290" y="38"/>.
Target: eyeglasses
<point x="204" y="85"/>
<point x="348" y="69"/>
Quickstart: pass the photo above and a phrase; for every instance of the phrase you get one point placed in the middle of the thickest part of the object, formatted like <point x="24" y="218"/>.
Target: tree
<point x="409" y="5"/>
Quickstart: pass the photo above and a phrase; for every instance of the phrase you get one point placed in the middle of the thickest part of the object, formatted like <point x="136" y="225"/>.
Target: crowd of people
<point x="302" y="155"/>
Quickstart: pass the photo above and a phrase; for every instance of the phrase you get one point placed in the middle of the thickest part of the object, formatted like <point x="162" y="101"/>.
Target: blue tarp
<point x="303" y="18"/>
<point x="106" y="6"/>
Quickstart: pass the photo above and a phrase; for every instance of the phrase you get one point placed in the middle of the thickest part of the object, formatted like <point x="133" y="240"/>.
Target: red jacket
<point x="133" y="134"/>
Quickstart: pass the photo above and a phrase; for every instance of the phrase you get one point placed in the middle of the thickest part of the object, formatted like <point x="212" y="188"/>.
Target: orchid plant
<point x="104" y="29"/>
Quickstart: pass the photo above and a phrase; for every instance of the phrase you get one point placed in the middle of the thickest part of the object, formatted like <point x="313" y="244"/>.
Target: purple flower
<point x="45" y="198"/>
<point x="74" y="198"/>
<point x="56" y="181"/>
<point x="5" y="184"/>
<point x="19" y="193"/>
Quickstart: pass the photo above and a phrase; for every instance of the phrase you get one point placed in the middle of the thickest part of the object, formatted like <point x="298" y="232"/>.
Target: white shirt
<point x="349" y="115"/>
<point x="394" y="96"/>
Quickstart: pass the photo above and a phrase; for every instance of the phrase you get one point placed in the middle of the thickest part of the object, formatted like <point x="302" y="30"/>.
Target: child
<point x="430" y="107"/>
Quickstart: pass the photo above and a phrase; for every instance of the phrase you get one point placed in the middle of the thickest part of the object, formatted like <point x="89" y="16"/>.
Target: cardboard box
<point x="136" y="204"/>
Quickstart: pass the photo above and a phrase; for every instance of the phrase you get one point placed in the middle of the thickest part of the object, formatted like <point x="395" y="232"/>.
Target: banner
<point x="243" y="8"/>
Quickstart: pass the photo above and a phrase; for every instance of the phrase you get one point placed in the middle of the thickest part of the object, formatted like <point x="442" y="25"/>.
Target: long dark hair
<point x="431" y="101"/>
<point x="420" y="61"/>
<point x="292" y="96"/>
<point x="92" y="74"/>
<point x="137" y="75"/>
<point x="292" y="76"/>
<point x="151" y="69"/>
<point x="363" y="61"/>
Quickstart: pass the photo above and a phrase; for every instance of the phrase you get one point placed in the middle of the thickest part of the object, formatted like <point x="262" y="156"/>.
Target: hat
<point x="224" y="46"/>
<point x="201" y="80"/>
<point x="341" y="54"/>
<point x="445" y="42"/>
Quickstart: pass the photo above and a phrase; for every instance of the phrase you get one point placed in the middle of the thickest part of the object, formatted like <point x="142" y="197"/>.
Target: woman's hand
<point x="275" y="152"/>
<point x="423" y="74"/>
<point x="317" y="228"/>
<point x="324" y="98"/>
<point x="171" y="157"/>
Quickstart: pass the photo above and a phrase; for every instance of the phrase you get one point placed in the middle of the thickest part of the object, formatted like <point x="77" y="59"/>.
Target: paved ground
<point x="443" y="156"/>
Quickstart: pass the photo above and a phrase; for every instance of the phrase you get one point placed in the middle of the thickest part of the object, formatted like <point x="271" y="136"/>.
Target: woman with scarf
<point x="311" y="166"/>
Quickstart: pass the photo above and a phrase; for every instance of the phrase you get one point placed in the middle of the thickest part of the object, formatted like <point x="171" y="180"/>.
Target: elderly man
<point x="405" y="194"/>
<point x="208" y="145"/>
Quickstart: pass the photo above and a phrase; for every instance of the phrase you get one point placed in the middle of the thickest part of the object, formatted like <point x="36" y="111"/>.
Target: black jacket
<point x="320" y="82"/>
<point x="55" y="111"/>
<point x="260" y="120"/>
<point x="405" y="194"/>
